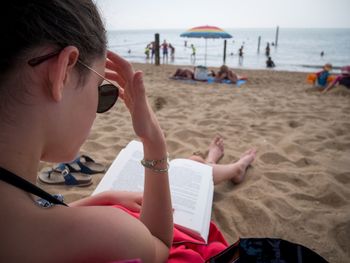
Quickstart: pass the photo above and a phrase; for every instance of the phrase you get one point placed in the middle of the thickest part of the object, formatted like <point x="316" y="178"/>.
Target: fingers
<point x="122" y="72"/>
<point x="117" y="63"/>
<point x="139" y="199"/>
<point x="118" y="60"/>
<point x="138" y="82"/>
<point x="133" y="91"/>
<point x="135" y="208"/>
<point x="115" y="77"/>
<point x="112" y="66"/>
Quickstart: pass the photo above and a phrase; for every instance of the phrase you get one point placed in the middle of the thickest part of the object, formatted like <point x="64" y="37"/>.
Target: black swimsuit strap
<point x="20" y="183"/>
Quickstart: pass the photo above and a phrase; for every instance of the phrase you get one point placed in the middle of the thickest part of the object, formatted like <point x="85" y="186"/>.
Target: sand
<point x="298" y="188"/>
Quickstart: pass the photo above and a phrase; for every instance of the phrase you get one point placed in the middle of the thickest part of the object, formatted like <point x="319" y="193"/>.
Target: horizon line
<point x="172" y="28"/>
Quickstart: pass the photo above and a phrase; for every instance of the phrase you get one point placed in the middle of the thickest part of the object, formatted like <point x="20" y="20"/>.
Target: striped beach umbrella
<point x="206" y="32"/>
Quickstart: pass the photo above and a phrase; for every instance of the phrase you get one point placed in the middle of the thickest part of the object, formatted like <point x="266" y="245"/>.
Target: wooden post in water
<point x="225" y="43"/>
<point x="156" y="51"/>
<point x="276" y="40"/>
<point x="259" y="39"/>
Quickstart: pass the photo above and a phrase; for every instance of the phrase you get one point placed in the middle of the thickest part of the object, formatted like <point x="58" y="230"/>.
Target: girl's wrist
<point x="154" y="148"/>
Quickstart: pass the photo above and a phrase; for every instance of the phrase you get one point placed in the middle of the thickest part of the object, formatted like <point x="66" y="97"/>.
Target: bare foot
<point x="216" y="150"/>
<point x="242" y="165"/>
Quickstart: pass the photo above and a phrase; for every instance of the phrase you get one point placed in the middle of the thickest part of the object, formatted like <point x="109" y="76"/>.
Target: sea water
<point x="296" y="49"/>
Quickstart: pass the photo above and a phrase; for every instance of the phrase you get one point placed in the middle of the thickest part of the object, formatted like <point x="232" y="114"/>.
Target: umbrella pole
<point x="205" y="56"/>
<point x="224" y="59"/>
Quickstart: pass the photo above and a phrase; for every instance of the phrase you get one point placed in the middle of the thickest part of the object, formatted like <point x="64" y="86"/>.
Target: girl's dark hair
<point x="26" y="24"/>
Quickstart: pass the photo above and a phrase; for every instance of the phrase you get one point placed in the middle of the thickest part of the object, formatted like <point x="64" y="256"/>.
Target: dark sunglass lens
<point x="107" y="96"/>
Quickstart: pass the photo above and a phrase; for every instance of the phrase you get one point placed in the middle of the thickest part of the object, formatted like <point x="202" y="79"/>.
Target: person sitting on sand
<point x="226" y="74"/>
<point x="50" y="92"/>
<point x="343" y="79"/>
<point x="270" y="63"/>
<point x="322" y="76"/>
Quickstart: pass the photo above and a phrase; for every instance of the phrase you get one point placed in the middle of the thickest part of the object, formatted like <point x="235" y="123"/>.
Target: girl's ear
<point x="61" y="70"/>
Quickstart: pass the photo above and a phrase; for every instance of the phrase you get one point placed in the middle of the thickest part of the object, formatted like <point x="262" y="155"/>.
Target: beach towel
<point x="186" y="249"/>
<point x="189" y="249"/>
<point x="211" y="80"/>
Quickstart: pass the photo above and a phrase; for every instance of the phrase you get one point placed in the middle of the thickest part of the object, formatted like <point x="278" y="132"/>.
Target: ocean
<point x="296" y="49"/>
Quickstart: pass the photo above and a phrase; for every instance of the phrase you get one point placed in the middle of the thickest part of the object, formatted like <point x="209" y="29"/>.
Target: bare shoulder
<point x="107" y="233"/>
<point x="93" y="234"/>
<point x="106" y="229"/>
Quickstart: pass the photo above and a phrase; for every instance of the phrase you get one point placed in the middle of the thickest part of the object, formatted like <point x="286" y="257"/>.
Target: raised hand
<point x="134" y="96"/>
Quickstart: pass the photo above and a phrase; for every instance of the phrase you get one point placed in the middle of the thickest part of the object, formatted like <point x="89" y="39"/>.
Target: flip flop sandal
<point x="46" y="204"/>
<point x="65" y="177"/>
<point x="83" y="164"/>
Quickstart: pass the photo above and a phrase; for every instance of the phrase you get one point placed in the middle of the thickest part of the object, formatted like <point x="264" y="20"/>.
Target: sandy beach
<point x="298" y="188"/>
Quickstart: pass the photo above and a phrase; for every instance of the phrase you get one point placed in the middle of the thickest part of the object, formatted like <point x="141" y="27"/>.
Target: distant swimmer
<point x="172" y="51"/>
<point x="240" y="56"/>
<point x="147" y="51"/>
<point x="270" y="63"/>
<point x="267" y="49"/>
<point x="165" y="47"/>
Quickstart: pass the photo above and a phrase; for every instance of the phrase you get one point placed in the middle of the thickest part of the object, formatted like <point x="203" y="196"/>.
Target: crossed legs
<point x="221" y="172"/>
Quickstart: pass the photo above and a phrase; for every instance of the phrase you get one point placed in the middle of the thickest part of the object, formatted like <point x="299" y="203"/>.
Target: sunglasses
<point x="107" y="93"/>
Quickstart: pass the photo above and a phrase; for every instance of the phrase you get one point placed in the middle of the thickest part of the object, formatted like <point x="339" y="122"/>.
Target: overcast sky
<point x="179" y="14"/>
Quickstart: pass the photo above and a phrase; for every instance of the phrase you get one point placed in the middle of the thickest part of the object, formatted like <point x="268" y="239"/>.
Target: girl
<point x="52" y="65"/>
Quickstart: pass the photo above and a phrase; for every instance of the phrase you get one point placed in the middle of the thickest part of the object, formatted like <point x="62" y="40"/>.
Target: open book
<point x="191" y="186"/>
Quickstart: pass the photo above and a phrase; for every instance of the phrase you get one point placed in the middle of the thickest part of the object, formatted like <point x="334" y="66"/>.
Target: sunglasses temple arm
<point x="114" y="84"/>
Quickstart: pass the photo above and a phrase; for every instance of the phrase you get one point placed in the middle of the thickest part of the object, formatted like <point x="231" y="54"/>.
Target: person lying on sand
<point x="226" y="74"/>
<point x="184" y="73"/>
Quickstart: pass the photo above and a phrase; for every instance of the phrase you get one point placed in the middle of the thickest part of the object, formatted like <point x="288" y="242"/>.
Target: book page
<point x="191" y="186"/>
<point x="126" y="173"/>
<point x="131" y="175"/>
<point x="191" y="191"/>
<point x="206" y="222"/>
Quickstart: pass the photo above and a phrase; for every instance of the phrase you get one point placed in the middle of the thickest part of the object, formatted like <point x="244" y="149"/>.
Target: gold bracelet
<point x="150" y="164"/>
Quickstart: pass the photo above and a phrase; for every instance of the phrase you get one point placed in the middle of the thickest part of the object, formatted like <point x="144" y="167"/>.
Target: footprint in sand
<point x="330" y="198"/>
<point x="294" y="124"/>
<point x="341" y="234"/>
<point x="159" y="103"/>
<point x="287" y="179"/>
<point x="343" y="178"/>
<point x="303" y="162"/>
<point x="273" y="158"/>
<point x="92" y="146"/>
<point x="335" y="145"/>
<point x="109" y="128"/>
